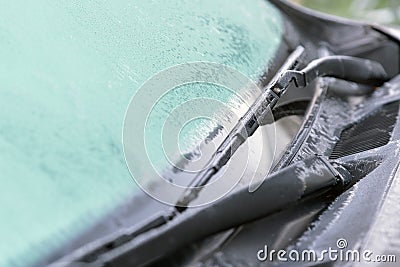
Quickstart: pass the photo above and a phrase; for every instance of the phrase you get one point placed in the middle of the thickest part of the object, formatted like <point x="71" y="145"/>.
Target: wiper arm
<point x="343" y="67"/>
<point x="245" y="128"/>
<point x="304" y="179"/>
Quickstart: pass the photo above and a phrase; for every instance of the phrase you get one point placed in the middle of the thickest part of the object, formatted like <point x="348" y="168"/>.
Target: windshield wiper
<point x="303" y="180"/>
<point x="352" y="69"/>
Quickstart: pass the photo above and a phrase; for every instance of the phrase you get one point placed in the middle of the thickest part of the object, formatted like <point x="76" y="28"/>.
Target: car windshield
<point x="68" y="72"/>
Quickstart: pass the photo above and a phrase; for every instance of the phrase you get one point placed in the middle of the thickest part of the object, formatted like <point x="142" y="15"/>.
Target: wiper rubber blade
<point x="348" y="68"/>
<point x="309" y="178"/>
<point x="245" y="128"/>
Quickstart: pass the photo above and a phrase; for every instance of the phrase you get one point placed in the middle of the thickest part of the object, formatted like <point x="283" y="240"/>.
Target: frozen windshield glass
<point x="68" y="70"/>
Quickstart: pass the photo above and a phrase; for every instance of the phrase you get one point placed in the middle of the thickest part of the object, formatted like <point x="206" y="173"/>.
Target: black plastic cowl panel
<point x="374" y="130"/>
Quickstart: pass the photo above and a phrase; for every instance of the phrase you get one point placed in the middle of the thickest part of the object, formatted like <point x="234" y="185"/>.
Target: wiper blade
<point x="304" y="179"/>
<point x="245" y="128"/>
<point x="348" y="68"/>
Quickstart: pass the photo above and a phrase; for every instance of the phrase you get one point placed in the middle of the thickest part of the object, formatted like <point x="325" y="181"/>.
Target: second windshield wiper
<point x="303" y="180"/>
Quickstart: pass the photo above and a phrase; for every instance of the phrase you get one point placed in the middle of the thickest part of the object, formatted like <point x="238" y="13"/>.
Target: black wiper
<point x="352" y="69"/>
<point x="258" y="114"/>
<point x="302" y="180"/>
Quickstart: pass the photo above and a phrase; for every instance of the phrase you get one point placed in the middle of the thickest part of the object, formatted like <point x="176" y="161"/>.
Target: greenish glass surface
<point x="373" y="11"/>
<point x="68" y="69"/>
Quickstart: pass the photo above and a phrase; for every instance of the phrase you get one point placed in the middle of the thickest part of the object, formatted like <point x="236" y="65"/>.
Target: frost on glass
<point x="68" y="70"/>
